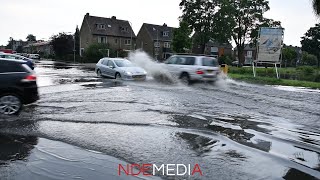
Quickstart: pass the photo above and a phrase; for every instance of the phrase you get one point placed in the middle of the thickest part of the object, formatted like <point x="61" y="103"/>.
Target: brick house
<point x="155" y="40"/>
<point x="249" y="54"/>
<point x="41" y="47"/>
<point x="213" y="48"/>
<point x="115" y="32"/>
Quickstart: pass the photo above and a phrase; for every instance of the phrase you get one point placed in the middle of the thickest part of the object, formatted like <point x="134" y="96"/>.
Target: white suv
<point x="193" y="68"/>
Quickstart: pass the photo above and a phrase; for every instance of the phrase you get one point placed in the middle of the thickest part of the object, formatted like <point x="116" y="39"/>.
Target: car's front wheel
<point x="99" y="74"/>
<point x="118" y="76"/>
<point x="10" y="104"/>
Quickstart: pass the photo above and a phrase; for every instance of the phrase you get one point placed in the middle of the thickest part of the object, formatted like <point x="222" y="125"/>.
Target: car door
<point x="171" y="64"/>
<point x="111" y="69"/>
<point x="104" y="67"/>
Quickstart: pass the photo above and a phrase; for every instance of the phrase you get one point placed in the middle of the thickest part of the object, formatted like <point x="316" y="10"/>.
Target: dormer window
<point x="101" y="26"/>
<point x="165" y="33"/>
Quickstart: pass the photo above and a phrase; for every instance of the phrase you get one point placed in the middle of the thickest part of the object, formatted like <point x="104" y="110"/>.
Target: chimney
<point x="164" y="25"/>
<point x="114" y="17"/>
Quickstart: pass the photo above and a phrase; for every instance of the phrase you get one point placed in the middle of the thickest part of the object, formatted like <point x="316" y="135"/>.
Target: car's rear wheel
<point x="185" y="79"/>
<point x="10" y="104"/>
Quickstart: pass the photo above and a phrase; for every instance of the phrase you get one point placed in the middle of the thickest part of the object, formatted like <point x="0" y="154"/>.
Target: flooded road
<point x="84" y="126"/>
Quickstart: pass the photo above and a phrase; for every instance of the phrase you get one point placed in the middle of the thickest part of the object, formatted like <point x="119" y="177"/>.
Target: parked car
<point x="29" y="62"/>
<point x="34" y="56"/>
<point x="18" y="86"/>
<point x="119" y="69"/>
<point x="190" y="68"/>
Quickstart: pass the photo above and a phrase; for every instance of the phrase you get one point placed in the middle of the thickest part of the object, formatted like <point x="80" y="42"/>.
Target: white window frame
<point x="127" y="42"/>
<point x="101" y="26"/>
<point x="167" y="45"/>
<point x="249" y="54"/>
<point x="157" y="44"/>
<point x="165" y="33"/>
<point x="100" y="41"/>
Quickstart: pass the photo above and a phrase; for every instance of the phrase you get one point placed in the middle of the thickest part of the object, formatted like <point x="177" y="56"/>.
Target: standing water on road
<point x="89" y="125"/>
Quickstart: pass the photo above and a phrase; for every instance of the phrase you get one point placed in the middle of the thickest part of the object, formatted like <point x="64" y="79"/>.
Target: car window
<point x="10" y="67"/>
<point x="105" y="62"/>
<point x="186" y="60"/>
<point x="110" y="63"/>
<point x="123" y="63"/>
<point x="172" y="60"/>
<point x="207" y="61"/>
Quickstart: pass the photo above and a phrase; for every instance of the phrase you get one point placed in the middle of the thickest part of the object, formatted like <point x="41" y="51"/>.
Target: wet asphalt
<point x="84" y="126"/>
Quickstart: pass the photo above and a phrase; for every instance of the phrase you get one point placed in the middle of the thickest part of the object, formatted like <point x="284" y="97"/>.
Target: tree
<point x="201" y="17"/>
<point x="31" y="38"/>
<point x="181" y="38"/>
<point x="311" y="42"/>
<point x="10" y="43"/>
<point x="62" y="44"/>
<point x="245" y="18"/>
<point x="309" y="59"/>
<point x="316" y="6"/>
<point x="77" y="41"/>
<point x="19" y="49"/>
<point x="289" y="56"/>
<point x="224" y="20"/>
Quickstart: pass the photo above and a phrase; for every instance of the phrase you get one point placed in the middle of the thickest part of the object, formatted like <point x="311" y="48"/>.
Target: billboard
<point x="270" y="44"/>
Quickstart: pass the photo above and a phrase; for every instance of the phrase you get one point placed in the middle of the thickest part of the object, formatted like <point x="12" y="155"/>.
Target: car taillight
<point x="200" y="72"/>
<point x="30" y="78"/>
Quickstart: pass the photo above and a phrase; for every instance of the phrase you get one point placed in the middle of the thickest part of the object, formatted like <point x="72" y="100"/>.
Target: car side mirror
<point x="111" y="67"/>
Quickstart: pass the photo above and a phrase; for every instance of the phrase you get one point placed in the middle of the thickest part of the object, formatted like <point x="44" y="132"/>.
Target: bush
<point x="97" y="51"/>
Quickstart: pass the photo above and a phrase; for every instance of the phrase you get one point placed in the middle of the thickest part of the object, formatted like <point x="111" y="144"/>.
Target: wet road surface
<point x="89" y="125"/>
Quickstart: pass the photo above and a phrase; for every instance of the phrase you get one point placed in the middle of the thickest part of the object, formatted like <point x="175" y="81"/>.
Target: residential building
<point x="43" y="48"/>
<point x="118" y="34"/>
<point x="213" y="48"/>
<point x="156" y="40"/>
<point x="250" y="53"/>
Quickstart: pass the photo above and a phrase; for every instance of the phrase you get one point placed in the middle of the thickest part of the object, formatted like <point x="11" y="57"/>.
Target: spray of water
<point x="153" y="68"/>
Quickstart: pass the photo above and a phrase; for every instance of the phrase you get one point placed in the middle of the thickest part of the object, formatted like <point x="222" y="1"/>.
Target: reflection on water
<point x="15" y="147"/>
<point x="294" y="174"/>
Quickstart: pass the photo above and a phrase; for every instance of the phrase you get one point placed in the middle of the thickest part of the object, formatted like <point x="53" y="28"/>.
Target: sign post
<point x="269" y="48"/>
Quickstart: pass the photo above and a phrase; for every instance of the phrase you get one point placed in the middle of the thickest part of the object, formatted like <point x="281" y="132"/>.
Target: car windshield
<point x="123" y="63"/>
<point x="209" y="62"/>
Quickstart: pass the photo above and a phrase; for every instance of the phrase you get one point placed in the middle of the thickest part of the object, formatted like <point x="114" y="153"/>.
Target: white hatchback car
<point x="119" y="69"/>
<point x="193" y="68"/>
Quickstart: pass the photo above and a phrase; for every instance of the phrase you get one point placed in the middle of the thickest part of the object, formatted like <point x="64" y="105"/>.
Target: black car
<point x="18" y="86"/>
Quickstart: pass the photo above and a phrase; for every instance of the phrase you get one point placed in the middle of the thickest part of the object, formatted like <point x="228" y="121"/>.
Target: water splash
<point x="154" y="69"/>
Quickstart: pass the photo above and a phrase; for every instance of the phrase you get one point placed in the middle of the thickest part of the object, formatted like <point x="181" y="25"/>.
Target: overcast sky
<point x="43" y="18"/>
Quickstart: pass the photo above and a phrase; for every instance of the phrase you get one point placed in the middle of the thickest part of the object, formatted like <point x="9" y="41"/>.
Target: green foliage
<point x="31" y="38"/>
<point x="224" y="20"/>
<point x="97" y="51"/>
<point x="275" y="81"/>
<point x="289" y="56"/>
<point x="311" y="41"/>
<point x="225" y="60"/>
<point x="309" y="59"/>
<point x="181" y="38"/>
<point x="62" y="44"/>
<point x="316" y="6"/>
<point x="19" y="49"/>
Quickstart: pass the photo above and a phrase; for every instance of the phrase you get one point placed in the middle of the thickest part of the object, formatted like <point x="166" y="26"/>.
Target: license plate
<point x="209" y="71"/>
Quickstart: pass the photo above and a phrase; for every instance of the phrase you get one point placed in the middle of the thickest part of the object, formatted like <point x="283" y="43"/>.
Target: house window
<point x="166" y="45"/>
<point x="127" y="41"/>
<point x="102" y="39"/>
<point x="157" y="44"/>
<point x="101" y="26"/>
<point x="165" y="33"/>
<point x="249" y="54"/>
<point x="116" y="41"/>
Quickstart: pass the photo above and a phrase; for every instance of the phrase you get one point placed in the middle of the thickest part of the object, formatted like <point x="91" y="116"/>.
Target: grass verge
<point x="274" y="81"/>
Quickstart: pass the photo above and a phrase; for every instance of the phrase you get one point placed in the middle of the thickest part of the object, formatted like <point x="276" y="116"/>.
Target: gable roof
<point x="156" y="31"/>
<point x="113" y="26"/>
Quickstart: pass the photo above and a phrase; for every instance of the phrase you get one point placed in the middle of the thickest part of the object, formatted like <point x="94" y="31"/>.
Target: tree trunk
<point x="240" y="56"/>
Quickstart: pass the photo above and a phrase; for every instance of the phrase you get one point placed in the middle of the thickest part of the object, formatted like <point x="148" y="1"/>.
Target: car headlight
<point x="128" y="73"/>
